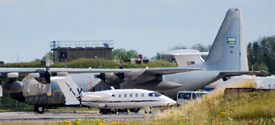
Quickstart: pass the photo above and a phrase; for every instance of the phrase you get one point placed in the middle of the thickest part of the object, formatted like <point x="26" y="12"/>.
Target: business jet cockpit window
<point x="154" y="94"/>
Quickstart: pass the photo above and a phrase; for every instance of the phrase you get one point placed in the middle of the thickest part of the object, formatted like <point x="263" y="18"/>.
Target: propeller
<point x="120" y="74"/>
<point x="44" y="76"/>
<point x="112" y="78"/>
<point x="1" y="89"/>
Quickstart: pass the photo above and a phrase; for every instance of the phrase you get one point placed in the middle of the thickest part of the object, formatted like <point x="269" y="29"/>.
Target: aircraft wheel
<point x="105" y="111"/>
<point x="122" y="111"/>
<point x="39" y="109"/>
<point x="135" y="110"/>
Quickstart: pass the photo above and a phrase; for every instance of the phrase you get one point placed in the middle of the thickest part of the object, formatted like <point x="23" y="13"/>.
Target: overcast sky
<point x="148" y="26"/>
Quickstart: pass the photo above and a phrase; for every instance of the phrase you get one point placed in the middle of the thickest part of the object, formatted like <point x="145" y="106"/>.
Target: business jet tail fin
<point x="70" y="90"/>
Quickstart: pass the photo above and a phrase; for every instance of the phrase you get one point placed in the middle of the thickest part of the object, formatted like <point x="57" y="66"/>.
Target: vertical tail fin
<point x="69" y="89"/>
<point x="228" y="51"/>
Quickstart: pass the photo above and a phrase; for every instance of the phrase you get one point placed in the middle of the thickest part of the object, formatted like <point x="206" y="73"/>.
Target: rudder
<point x="228" y="51"/>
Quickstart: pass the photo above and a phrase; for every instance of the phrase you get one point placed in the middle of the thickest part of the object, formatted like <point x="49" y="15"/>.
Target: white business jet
<point x="111" y="101"/>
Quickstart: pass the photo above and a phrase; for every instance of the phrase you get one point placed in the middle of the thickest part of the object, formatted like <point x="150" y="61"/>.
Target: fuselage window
<point x="154" y="94"/>
<point x="130" y="95"/>
<point x="114" y="95"/>
<point x="136" y="95"/>
<point x="142" y="95"/>
<point x="119" y="95"/>
<point x="125" y="95"/>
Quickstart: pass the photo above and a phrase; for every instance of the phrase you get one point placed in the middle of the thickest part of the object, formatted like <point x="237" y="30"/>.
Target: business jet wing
<point x="165" y="71"/>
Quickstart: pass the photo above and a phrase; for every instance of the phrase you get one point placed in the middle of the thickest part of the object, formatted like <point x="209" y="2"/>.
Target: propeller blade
<point x="48" y="89"/>
<point x="101" y="64"/>
<point x="47" y="61"/>
<point x="47" y="74"/>
<point x="1" y="91"/>
<point x="120" y="63"/>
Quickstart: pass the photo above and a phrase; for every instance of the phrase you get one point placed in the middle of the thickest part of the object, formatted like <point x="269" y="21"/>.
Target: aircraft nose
<point x="171" y="102"/>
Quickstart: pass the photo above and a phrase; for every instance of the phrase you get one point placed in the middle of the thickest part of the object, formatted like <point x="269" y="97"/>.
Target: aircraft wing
<point x="25" y="71"/>
<point x="164" y="71"/>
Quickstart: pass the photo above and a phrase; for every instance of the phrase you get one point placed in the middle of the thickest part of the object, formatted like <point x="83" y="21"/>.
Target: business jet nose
<point x="171" y="102"/>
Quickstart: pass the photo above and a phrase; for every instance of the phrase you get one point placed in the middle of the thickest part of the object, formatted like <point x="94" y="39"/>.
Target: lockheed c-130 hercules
<point x="227" y="57"/>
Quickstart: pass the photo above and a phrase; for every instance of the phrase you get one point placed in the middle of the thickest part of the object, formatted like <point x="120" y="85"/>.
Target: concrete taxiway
<point x="54" y="116"/>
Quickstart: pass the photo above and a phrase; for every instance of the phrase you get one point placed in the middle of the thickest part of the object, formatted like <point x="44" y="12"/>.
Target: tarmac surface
<point x="54" y="116"/>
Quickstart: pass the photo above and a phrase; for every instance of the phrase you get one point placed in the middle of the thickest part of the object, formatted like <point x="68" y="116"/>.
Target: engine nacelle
<point x="114" y="79"/>
<point x="139" y="76"/>
<point x="12" y="86"/>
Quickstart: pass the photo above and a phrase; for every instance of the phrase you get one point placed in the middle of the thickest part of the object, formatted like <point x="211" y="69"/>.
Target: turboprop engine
<point x="136" y="76"/>
<point x="12" y="85"/>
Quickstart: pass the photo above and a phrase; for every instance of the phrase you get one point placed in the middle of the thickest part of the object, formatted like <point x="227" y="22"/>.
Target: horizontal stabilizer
<point x="164" y="71"/>
<point x="185" y="52"/>
<point x="226" y="74"/>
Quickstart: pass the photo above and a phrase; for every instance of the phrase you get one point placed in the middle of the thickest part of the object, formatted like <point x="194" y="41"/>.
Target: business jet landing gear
<point x="147" y="110"/>
<point x="39" y="109"/>
<point x="134" y="110"/>
<point x="105" y="111"/>
<point x="122" y="111"/>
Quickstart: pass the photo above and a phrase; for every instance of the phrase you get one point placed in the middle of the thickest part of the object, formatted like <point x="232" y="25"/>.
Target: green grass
<point x="255" y="108"/>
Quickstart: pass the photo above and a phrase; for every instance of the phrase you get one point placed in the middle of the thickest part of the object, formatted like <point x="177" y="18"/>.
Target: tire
<point x="135" y="110"/>
<point x="39" y="109"/>
<point x="105" y="111"/>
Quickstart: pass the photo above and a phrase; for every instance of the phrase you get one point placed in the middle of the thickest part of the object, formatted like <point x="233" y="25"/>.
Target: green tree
<point x="124" y="54"/>
<point x="51" y="56"/>
<point x="261" y="54"/>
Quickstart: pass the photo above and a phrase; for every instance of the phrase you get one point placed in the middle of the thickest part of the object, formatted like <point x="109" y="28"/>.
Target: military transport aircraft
<point x="227" y="57"/>
<point x="110" y="101"/>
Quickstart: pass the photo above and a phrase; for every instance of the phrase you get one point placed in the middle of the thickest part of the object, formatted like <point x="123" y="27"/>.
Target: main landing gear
<point x="118" y="111"/>
<point x="39" y="109"/>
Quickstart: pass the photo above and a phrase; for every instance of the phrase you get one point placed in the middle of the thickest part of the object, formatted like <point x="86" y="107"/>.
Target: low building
<point x="71" y="50"/>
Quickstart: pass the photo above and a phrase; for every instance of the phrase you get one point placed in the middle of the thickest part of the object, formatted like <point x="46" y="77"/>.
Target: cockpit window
<point x="154" y="94"/>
